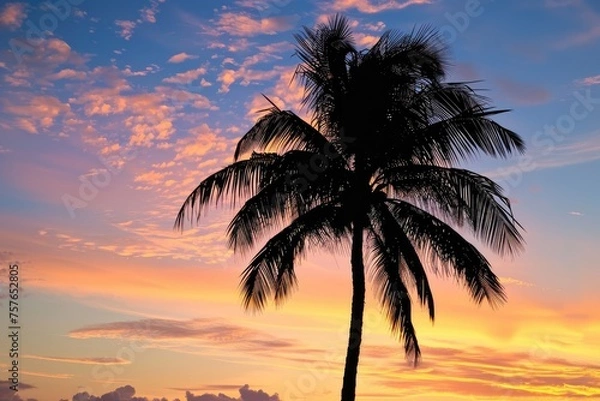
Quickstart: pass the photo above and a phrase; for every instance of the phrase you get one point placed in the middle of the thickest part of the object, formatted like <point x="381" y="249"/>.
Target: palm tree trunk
<point x="356" y="317"/>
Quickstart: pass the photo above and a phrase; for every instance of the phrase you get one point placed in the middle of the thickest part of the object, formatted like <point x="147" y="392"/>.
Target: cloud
<point x="365" y="40"/>
<point x="514" y="281"/>
<point x="590" y="81"/>
<point x="485" y="372"/>
<point x="465" y="72"/>
<point x="277" y="47"/>
<point x="375" y="27"/>
<point x="12" y="15"/>
<point x="45" y="57"/>
<point x="126" y="28"/>
<point x="180" y="98"/>
<point x="181" y="57"/>
<point x="127" y="393"/>
<point x="245" y="75"/>
<point x="148" y="14"/>
<point x="82" y="361"/>
<point x="522" y="93"/>
<point x="287" y="93"/>
<point x="202" y="141"/>
<point x="149" y="117"/>
<point x="371" y="7"/>
<point x="37" y="113"/>
<point x="553" y="156"/>
<point x="240" y="24"/>
<point x="68" y="73"/>
<point x="589" y="19"/>
<point x="186" y="77"/>
<point x="189" y="335"/>
<point x="575" y="213"/>
<point x="6" y="394"/>
<point x="246" y="394"/>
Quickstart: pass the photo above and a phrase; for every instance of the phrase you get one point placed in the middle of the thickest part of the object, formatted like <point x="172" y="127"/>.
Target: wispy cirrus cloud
<point x="372" y="6"/>
<point x="477" y="371"/>
<point x="81" y="361"/>
<point x="194" y="332"/>
<point x="523" y="93"/>
<point x="590" y="81"/>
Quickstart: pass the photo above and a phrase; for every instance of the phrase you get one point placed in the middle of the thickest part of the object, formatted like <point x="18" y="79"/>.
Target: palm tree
<point x="375" y="169"/>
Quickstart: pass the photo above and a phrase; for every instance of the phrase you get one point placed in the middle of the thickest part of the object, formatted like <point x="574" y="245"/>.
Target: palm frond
<point x="279" y="201"/>
<point x="393" y="294"/>
<point x="463" y="196"/>
<point x="385" y="226"/>
<point x="454" y="254"/>
<point x="282" y="130"/>
<point x="271" y="271"/>
<point x="323" y="71"/>
<point x="239" y="180"/>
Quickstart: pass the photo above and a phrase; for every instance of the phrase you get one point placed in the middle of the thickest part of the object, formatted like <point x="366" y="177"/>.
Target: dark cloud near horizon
<point x="127" y="393"/>
<point x="6" y="394"/>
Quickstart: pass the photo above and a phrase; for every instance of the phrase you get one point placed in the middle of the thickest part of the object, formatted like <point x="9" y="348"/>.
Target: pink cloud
<point x="589" y="81"/>
<point x="245" y="75"/>
<point x="243" y="25"/>
<point x="523" y="93"/>
<point x="148" y="14"/>
<point x="68" y="73"/>
<point x="365" y="40"/>
<point x="181" y="57"/>
<point x="203" y="140"/>
<point x="371" y="7"/>
<point x="12" y="15"/>
<point x="38" y="112"/>
<point x="126" y="28"/>
<point x="186" y="77"/>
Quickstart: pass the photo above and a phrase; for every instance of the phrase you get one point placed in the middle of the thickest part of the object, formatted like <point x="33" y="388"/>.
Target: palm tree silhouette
<point x="376" y="169"/>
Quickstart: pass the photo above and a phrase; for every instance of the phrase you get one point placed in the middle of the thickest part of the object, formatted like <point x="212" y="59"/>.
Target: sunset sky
<point x="113" y="116"/>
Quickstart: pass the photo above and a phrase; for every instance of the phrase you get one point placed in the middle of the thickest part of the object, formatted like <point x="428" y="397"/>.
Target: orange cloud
<point x="82" y="361"/>
<point x="186" y="77"/>
<point x="242" y="25"/>
<point x="12" y="15"/>
<point x="38" y="112"/>
<point x="203" y="140"/>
